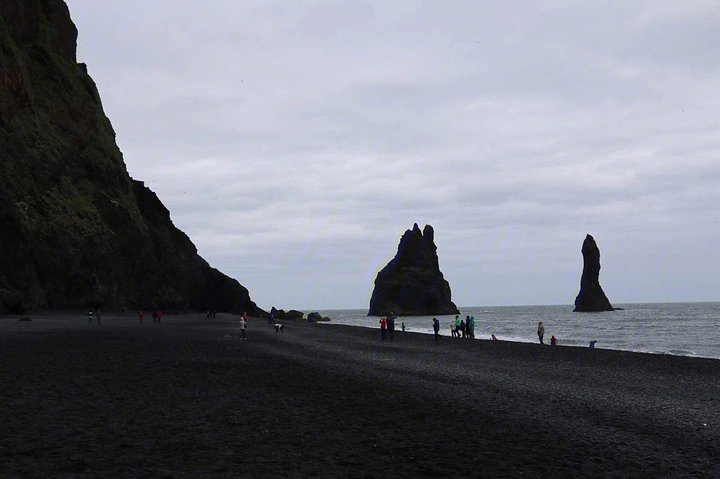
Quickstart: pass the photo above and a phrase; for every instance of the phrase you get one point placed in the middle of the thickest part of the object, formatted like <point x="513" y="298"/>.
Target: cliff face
<point x="591" y="297"/>
<point x="411" y="284"/>
<point x="75" y="229"/>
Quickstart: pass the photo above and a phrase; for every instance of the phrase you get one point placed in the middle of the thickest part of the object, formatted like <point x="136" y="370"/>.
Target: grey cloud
<point x="295" y="141"/>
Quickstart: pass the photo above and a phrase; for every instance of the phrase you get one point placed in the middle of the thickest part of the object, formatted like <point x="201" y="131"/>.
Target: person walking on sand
<point x="159" y="316"/>
<point x="243" y="325"/>
<point x="391" y="325"/>
<point x="457" y="326"/>
<point x="436" y="328"/>
<point x="553" y="340"/>
<point x="140" y="315"/>
<point x="89" y="317"/>
<point x="383" y="326"/>
<point x="402" y="326"/>
<point x="541" y="332"/>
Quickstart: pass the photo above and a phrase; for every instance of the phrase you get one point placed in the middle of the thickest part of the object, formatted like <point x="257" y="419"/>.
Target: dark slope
<point x="75" y="229"/>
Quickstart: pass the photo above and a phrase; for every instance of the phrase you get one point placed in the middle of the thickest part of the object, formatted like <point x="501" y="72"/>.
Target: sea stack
<point x="591" y="297"/>
<point x="411" y="284"/>
<point x="77" y="231"/>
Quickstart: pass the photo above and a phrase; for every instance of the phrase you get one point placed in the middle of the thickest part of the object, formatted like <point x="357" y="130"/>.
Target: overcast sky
<point x="296" y="141"/>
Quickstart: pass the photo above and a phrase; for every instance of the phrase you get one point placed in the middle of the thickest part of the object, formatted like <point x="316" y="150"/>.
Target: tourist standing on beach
<point x="140" y="315"/>
<point x="383" y="326"/>
<point x="243" y="325"/>
<point x="391" y="325"/>
<point x="457" y="326"/>
<point x="89" y="317"/>
<point x="541" y="332"/>
<point x="159" y="316"/>
<point x="402" y="325"/>
<point x="436" y="328"/>
<point x="471" y="327"/>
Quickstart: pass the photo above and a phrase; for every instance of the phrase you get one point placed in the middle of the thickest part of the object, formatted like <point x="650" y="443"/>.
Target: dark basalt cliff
<point x="411" y="284"/>
<point x="75" y="229"/>
<point x="591" y="297"/>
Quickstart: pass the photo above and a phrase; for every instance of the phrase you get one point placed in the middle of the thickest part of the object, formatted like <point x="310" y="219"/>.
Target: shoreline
<point x="80" y="318"/>
<point x="530" y="342"/>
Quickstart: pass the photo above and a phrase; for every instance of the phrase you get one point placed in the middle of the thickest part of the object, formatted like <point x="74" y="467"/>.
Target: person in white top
<point x="243" y="325"/>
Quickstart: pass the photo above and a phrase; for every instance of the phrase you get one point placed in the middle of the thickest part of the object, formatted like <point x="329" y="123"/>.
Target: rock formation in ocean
<point x="591" y="297"/>
<point x="411" y="284"/>
<point x="75" y="229"/>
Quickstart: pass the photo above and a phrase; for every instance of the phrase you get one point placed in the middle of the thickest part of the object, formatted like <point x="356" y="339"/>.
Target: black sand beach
<point x="188" y="398"/>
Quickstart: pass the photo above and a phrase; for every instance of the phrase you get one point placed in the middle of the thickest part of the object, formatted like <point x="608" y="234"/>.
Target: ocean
<point x="684" y="329"/>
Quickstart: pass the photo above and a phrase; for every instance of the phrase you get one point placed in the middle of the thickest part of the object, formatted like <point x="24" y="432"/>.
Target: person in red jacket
<point x="140" y="315"/>
<point x="383" y="327"/>
<point x="159" y="316"/>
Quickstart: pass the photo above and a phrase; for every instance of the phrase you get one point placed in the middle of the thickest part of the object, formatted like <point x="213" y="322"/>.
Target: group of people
<point x="279" y="328"/>
<point x="156" y="316"/>
<point x="463" y="328"/>
<point x="541" y="334"/>
<point x="387" y="325"/>
<point x="460" y="328"/>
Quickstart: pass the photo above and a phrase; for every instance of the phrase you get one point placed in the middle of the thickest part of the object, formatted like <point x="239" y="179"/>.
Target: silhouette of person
<point x="391" y="325"/>
<point x="541" y="332"/>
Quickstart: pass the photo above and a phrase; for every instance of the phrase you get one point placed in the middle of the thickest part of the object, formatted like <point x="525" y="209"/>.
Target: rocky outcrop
<point x="591" y="297"/>
<point x="76" y="230"/>
<point x="282" y="314"/>
<point x="411" y="284"/>
<point x="315" y="317"/>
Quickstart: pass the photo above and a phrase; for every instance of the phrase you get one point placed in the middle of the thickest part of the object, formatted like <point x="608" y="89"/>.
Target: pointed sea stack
<point x="591" y="297"/>
<point x="411" y="284"/>
<point x="76" y="231"/>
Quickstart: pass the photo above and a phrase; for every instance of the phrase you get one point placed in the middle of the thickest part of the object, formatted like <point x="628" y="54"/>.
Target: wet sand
<point x="187" y="398"/>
